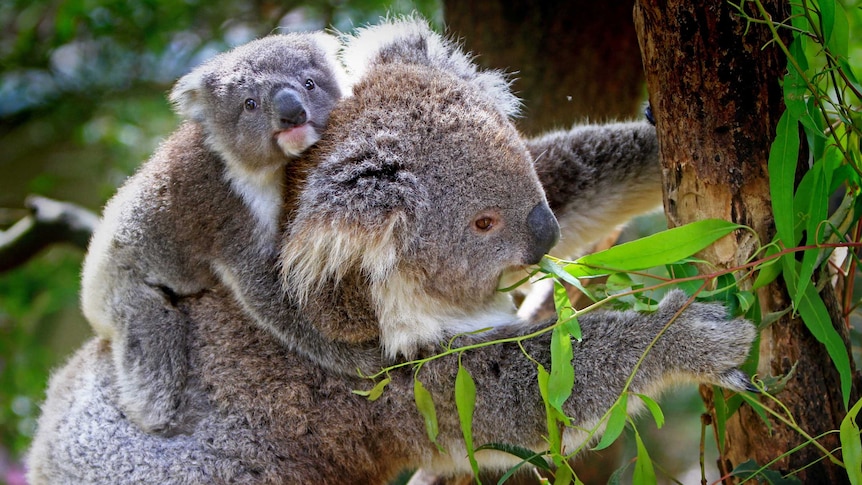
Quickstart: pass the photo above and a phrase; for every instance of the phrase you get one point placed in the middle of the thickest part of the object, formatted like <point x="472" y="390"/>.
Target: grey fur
<point x="406" y="166"/>
<point x="205" y="209"/>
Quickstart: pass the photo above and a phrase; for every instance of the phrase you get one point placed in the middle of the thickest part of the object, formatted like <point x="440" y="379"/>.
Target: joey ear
<point x="410" y="40"/>
<point x="187" y="95"/>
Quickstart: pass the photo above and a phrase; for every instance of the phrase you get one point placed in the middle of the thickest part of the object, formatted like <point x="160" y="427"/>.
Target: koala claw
<point x="736" y="380"/>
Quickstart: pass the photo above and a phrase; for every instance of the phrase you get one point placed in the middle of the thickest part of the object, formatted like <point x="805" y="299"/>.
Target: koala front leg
<point x="597" y="177"/>
<point x="700" y="345"/>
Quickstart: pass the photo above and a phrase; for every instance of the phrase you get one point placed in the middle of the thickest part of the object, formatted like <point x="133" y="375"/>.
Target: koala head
<point x="424" y="188"/>
<point x="266" y="101"/>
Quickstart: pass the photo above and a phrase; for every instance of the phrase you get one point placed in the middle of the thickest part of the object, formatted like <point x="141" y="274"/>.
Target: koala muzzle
<point x="289" y="109"/>
<point x="545" y="231"/>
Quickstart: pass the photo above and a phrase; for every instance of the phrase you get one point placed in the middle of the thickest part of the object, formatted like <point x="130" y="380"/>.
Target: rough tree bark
<point x="715" y="93"/>
<point x="572" y="59"/>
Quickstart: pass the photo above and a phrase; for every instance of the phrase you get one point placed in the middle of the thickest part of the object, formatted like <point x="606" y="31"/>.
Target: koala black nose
<point x="289" y="109"/>
<point x="545" y="229"/>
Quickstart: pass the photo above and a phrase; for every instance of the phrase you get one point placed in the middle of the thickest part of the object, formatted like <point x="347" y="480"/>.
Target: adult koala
<point x="422" y="195"/>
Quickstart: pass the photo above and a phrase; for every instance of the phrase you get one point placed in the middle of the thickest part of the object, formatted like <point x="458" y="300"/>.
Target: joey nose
<point x="289" y="109"/>
<point x="545" y="230"/>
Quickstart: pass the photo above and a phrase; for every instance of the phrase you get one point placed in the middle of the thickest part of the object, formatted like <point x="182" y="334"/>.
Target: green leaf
<point x="746" y="300"/>
<point x="685" y="270"/>
<point x="851" y="446"/>
<point x="551" y="415"/>
<point x="616" y="423"/>
<point x="529" y="456"/>
<point x="644" y="473"/>
<point x="836" y="29"/>
<point x="782" y="173"/>
<point x="565" y="312"/>
<point x="662" y="248"/>
<point x="562" y="378"/>
<point x="425" y="405"/>
<point x="563" y="476"/>
<point x="375" y="391"/>
<point x="816" y="211"/>
<point x="795" y="88"/>
<point x="654" y="409"/>
<point x="851" y="76"/>
<point x="617" y="476"/>
<point x="720" y="424"/>
<point x="816" y="317"/>
<point x="465" y="401"/>
<point x="750" y="469"/>
<point x="768" y="271"/>
<point x="549" y="266"/>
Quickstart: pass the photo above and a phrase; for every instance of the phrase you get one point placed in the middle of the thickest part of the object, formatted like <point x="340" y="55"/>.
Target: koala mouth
<point x="513" y="276"/>
<point x="294" y="141"/>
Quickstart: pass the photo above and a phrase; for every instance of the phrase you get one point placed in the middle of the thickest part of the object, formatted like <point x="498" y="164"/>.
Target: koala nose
<point x="545" y="230"/>
<point x="289" y="109"/>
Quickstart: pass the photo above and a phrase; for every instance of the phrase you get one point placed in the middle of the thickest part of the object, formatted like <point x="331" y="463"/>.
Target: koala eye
<point x="484" y="223"/>
<point x="250" y="104"/>
<point x="309" y="84"/>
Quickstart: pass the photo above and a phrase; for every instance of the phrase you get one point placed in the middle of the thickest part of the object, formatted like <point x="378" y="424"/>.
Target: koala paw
<point x="705" y="344"/>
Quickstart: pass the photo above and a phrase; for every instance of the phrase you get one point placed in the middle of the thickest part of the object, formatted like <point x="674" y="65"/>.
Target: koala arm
<point x="700" y="345"/>
<point x="597" y="177"/>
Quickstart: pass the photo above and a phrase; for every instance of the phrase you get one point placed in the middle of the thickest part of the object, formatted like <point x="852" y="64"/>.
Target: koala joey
<point x="205" y="208"/>
<point x="420" y="196"/>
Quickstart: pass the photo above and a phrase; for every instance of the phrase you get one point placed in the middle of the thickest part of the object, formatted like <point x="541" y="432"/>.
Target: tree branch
<point x="49" y="222"/>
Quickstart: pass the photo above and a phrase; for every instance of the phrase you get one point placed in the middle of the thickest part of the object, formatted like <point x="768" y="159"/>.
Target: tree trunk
<point x="715" y="93"/>
<point x="571" y="59"/>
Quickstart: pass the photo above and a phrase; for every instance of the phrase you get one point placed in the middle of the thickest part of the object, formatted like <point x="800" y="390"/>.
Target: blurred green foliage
<point x="82" y="104"/>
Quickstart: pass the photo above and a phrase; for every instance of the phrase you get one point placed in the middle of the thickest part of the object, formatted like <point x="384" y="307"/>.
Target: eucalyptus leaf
<point x="375" y="391"/>
<point x="551" y="415"/>
<point x="816" y="318"/>
<point x="662" y="248"/>
<point x="851" y="446"/>
<point x="562" y="377"/>
<point x="644" y="473"/>
<point x="529" y="456"/>
<point x="425" y="405"/>
<point x="465" y="402"/>
<point x="654" y="409"/>
<point x="782" y="175"/>
<point x="616" y="423"/>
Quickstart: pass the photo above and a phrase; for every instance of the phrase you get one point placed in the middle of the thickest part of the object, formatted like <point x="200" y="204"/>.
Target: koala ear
<point x="410" y="40"/>
<point x="331" y="46"/>
<point x="353" y="215"/>
<point x="187" y="95"/>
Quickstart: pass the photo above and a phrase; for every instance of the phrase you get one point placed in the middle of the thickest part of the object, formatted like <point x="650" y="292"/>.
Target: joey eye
<point x="309" y="84"/>
<point x="250" y="104"/>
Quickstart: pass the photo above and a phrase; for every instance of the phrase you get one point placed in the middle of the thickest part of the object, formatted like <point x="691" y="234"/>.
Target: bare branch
<point x="49" y="222"/>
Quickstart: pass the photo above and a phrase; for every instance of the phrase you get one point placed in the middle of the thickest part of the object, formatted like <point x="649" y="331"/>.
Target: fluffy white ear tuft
<point x="411" y="40"/>
<point x="186" y="95"/>
<point x="331" y="46"/>
<point x="320" y="253"/>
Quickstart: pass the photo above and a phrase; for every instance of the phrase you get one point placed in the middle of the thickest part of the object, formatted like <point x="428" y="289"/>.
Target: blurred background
<point x="82" y="104"/>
